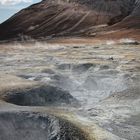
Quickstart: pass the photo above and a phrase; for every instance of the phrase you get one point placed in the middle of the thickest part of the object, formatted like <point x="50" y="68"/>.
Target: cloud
<point x="13" y="2"/>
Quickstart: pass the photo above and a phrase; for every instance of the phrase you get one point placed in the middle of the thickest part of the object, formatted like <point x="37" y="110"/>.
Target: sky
<point x="10" y="7"/>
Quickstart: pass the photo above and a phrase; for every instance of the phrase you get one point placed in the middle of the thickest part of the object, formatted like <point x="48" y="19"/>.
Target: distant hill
<point x="84" y="18"/>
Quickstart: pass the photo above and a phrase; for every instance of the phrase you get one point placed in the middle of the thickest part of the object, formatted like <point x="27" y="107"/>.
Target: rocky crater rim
<point x="40" y="96"/>
<point x="29" y="125"/>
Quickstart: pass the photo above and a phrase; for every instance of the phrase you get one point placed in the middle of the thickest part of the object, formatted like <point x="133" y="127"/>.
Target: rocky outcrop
<point x="71" y="18"/>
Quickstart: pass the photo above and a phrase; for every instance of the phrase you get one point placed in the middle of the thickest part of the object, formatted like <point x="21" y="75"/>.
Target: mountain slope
<point x="53" y="18"/>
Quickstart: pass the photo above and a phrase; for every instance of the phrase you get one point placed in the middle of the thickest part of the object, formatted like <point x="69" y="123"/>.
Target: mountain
<point x="56" y="18"/>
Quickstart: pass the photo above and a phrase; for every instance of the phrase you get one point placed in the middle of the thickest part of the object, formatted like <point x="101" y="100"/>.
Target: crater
<point x="65" y="66"/>
<point x="104" y="67"/>
<point x="34" y="126"/>
<point x="40" y="96"/>
<point x="48" y="71"/>
<point x="76" y="67"/>
<point x="80" y="68"/>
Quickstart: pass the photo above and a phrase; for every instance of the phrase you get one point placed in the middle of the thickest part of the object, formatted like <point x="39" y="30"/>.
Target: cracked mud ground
<point x="69" y="91"/>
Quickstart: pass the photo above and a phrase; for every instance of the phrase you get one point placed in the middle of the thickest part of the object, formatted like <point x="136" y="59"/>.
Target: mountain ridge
<point x="72" y="18"/>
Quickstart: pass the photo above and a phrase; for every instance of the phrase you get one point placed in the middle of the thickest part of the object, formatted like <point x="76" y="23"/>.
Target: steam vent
<point x="70" y="70"/>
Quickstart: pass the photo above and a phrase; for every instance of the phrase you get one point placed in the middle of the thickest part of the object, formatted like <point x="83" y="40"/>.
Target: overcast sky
<point x="10" y="7"/>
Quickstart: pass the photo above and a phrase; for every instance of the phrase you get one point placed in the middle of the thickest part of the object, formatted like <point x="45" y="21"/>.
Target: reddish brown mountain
<point x="55" y="18"/>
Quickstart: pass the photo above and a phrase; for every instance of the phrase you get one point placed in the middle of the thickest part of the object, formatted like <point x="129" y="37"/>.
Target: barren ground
<point x="80" y="91"/>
